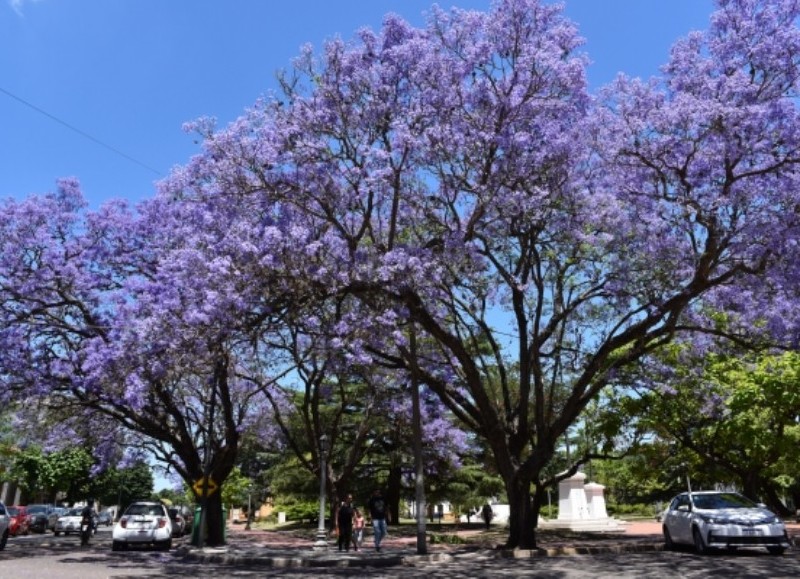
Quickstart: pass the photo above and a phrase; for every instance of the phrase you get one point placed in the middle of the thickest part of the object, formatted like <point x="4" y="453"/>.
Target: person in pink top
<point x="358" y="529"/>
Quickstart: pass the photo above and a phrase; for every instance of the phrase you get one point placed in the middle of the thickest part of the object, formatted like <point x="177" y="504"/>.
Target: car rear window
<point x="154" y="510"/>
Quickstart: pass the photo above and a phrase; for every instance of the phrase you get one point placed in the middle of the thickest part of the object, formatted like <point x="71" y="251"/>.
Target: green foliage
<point x="236" y="488"/>
<point x="298" y="510"/>
<point x="291" y="479"/>
<point x="64" y="472"/>
<point x="645" y="477"/>
<point x="466" y="487"/>
<point x="123" y="486"/>
<point x="642" y="510"/>
<point x="446" y="539"/>
<point x="735" y="419"/>
<point x="173" y="497"/>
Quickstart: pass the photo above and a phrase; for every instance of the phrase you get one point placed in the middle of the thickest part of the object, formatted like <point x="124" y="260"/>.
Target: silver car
<point x="710" y="519"/>
<point x="69" y="522"/>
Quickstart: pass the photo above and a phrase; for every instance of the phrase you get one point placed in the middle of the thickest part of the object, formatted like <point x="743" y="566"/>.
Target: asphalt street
<point x="45" y="556"/>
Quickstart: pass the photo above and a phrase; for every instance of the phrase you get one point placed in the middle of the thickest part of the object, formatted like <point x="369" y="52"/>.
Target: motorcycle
<point x="87" y="527"/>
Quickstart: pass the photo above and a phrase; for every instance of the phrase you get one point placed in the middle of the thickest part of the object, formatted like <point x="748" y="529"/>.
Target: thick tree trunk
<point x="213" y="532"/>
<point x="393" y="492"/>
<point x="521" y="524"/>
<point x="215" y="521"/>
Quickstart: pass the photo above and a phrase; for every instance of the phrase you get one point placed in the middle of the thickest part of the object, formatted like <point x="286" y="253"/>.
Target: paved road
<point x="61" y="558"/>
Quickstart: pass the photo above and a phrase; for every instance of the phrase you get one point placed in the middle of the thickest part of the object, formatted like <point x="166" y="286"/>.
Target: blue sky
<point x="99" y="89"/>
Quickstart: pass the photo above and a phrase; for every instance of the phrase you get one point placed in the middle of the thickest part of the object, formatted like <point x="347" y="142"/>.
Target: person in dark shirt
<point x="344" y="523"/>
<point x="380" y="515"/>
<point x="487" y="515"/>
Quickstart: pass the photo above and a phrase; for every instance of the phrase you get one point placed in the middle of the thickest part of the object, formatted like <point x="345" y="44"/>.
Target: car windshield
<point x="722" y="501"/>
<point x="12" y="510"/>
<point x="37" y="509"/>
<point x="73" y="513"/>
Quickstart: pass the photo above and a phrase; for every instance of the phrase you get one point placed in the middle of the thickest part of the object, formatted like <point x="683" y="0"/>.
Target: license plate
<point x="750" y="532"/>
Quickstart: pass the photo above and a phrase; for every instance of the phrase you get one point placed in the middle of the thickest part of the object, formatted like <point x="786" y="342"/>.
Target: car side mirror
<point x="685" y="508"/>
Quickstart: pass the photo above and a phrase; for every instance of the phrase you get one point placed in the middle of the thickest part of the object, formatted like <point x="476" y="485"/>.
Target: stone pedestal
<point x="581" y="507"/>
<point x="595" y="501"/>
<point x="572" y="498"/>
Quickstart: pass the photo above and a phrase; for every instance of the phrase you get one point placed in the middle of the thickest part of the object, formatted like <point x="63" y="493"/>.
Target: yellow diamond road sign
<point x="205" y="485"/>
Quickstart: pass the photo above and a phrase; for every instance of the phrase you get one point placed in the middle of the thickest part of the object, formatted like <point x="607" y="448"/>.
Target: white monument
<point x="595" y="500"/>
<point x="581" y="507"/>
<point x="572" y="498"/>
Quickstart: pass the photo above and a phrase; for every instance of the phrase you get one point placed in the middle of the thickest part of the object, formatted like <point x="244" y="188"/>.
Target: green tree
<point x="739" y="415"/>
<point x="63" y="474"/>
<point x="236" y="489"/>
<point x="122" y="486"/>
<point x="466" y="487"/>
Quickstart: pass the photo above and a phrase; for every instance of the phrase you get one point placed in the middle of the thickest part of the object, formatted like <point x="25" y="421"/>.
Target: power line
<point x="84" y="134"/>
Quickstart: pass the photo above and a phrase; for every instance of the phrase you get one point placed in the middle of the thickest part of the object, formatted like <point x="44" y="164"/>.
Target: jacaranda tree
<point x="459" y="181"/>
<point x="101" y="314"/>
<point x="488" y="228"/>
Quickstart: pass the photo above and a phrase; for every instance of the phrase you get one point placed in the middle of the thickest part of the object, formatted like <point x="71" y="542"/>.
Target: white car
<point x="69" y="522"/>
<point x="143" y="523"/>
<point x="710" y="519"/>
<point x="4" y="522"/>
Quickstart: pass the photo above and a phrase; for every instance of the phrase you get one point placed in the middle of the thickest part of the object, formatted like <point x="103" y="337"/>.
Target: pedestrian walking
<point x="487" y="514"/>
<point x="379" y="514"/>
<point x="358" y="529"/>
<point x="344" y="523"/>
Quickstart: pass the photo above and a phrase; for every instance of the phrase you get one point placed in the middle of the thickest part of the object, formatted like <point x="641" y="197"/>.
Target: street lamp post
<point x="249" y="505"/>
<point x="321" y="544"/>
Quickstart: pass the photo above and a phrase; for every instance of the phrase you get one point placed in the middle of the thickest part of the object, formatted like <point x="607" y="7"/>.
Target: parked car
<point x="53" y="517"/>
<point x="711" y="519"/>
<point x="178" y="522"/>
<point x="19" y="520"/>
<point x="40" y="517"/>
<point x="143" y="523"/>
<point x="69" y="522"/>
<point x="104" y="518"/>
<point x="4" y="522"/>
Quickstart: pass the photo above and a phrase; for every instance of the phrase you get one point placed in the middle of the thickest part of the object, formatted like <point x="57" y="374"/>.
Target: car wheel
<point x="57" y="533"/>
<point x="118" y="546"/>
<point x="4" y="540"/>
<point x="165" y="546"/>
<point x="775" y="550"/>
<point x="699" y="545"/>
<point x="669" y="545"/>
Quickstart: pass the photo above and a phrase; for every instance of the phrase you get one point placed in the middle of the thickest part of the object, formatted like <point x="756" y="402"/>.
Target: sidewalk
<point x="287" y="549"/>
